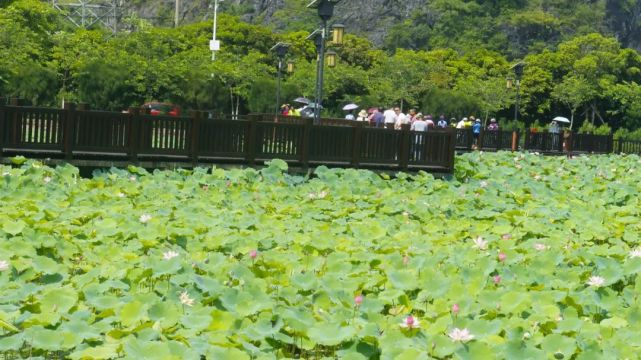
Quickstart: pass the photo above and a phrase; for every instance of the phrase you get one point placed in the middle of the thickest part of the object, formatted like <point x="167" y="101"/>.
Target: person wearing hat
<point x="494" y="126"/>
<point x="476" y="131"/>
<point x="429" y="121"/>
<point x="362" y="116"/>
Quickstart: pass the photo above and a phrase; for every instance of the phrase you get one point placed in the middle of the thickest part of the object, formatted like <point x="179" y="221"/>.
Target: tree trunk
<point x="571" y="119"/>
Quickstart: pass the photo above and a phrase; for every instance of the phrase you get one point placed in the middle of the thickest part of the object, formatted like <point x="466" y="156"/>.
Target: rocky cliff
<point x="375" y="19"/>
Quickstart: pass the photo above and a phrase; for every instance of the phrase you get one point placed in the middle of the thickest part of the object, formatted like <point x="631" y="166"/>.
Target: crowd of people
<point x="394" y="118"/>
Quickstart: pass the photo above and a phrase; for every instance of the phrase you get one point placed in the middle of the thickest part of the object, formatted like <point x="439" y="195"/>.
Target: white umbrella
<point x="561" y="119"/>
<point x="351" y="106"/>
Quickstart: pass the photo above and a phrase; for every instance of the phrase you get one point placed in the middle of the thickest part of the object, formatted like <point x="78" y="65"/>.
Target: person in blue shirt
<point x="476" y="131"/>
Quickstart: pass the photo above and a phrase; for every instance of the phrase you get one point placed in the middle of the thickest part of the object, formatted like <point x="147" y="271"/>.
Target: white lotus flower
<point x="483" y="184"/>
<point x="636" y="253"/>
<point x="4" y="265"/>
<point x="480" y="244"/>
<point x="47" y="180"/>
<point x="121" y="195"/>
<point x="311" y="196"/>
<point x="144" y="218"/>
<point x="540" y="247"/>
<point x="169" y="255"/>
<point x="186" y="300"/>
<point x="463" y="335"/>
<point x="322" y="194"/>
<point x="132" y="178"/>
<point x="596" y="281"/>
<point x="6" y="173"/>
<point x="410" y="322"/>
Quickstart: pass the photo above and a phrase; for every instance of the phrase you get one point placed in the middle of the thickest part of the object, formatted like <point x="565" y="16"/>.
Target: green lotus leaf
<point x="614" y="323"/>
<point x="330" y="334"/>
<point x="221" y="353"/>
<point x="58" y="300"/>
<point x="132" y="313"/>
<point x="13" y="227"/>
<point x="46" y="265"/>
<point x="97" y="352"/>
<point x="44" y="339"/>
<point x="559" y="344"/>
<point x="12" y="343"/>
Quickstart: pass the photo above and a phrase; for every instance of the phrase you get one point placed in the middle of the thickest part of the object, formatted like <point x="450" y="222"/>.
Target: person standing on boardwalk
<point x="391" y="115"/>
<point x="476" y="131"/>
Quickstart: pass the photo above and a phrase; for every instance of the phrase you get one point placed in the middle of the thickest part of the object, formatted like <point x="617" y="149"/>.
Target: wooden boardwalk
<point x="98" y="138"/>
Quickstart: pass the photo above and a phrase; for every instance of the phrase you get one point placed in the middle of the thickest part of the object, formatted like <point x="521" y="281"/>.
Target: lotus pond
<point x="516" y="256"/>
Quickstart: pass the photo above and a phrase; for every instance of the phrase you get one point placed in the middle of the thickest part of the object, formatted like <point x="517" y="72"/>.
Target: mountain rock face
<point x="375" y="19"/>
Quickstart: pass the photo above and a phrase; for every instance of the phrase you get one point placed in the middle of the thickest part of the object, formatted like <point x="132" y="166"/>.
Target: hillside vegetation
<point x="455" y="64"/>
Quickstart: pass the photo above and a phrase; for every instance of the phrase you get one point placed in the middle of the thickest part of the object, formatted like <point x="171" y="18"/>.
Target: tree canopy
<point x="589" y="76"/>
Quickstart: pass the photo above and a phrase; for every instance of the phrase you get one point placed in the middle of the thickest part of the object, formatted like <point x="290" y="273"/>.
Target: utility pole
<point x="177" y="13"/>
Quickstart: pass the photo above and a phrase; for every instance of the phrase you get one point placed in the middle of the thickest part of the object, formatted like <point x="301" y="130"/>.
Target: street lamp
<point x="518" y="74"/>
<point x="281" y="50"/>
<point x="325" y="10"/>
<point x="331" y="59"/>
<point x="338" y="30"/>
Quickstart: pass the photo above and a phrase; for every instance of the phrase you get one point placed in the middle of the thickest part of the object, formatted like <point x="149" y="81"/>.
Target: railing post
<point x="196" y="116"/>
<point x="451" y="149"/>
<point x="610" y="148"/>
<point x="357" y="133"/>
<point x="14" y="101"/>
<point x="620" y="146"/>
<point x="404" y="151"/>
<point x="250" y="140"/>
<point x="515" y="140"/>
<point x="479" y="141"/>
<point x="3" y="127"/>
<point x="69" y="120"/>
<point x="134" y="133"/>
<point x="526" y="143"/>
<point x="308" y="124"/>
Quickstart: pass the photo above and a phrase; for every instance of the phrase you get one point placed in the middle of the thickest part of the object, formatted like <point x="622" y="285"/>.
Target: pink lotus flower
<point x="480" y="244"/>
<point x="186" y="300"/>
<point x="410" y="323"/>
<point x="496" y="279"/>
<point x="540" y="247"/>
<point x="406" y="260"/>
<point x="502" y="257"/>
<point x="253" y="254"/>
<point x="463" y="335"/>
<point x="506" y="236"/>
<point x="358" y="300"/>
<point x="596" y="281"/>
<point x="455" y="309"/>
<point x="169" y="255"/>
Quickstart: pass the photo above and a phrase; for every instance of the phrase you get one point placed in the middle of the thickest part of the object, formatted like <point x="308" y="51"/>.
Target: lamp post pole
<point x="518" y="74"/>
<point x="321" y="73"/>
<point x="281" y="51"/>
<point x="325" y="12"/>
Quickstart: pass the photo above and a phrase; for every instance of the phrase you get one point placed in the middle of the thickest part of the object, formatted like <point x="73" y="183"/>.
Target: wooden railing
<point x="76" y="133"/>
<point x="546" y="142"/>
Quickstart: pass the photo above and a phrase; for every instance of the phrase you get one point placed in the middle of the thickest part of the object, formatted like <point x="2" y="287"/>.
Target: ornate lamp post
<point x="518" y="74"/>
<point x="325" y="12"/>
<point x="281" y="50"/>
